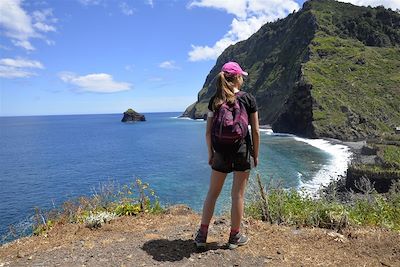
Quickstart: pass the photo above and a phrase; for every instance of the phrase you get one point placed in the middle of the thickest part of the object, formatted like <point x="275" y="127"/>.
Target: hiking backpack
<point x="230" y="126"/>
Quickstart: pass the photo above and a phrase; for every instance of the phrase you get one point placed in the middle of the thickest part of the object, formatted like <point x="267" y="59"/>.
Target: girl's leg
<point x="237" y="194"/>
<point x="216" y="182"/>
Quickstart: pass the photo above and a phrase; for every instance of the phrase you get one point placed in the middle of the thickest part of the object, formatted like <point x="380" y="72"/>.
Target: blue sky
<point x="104" y="56"/>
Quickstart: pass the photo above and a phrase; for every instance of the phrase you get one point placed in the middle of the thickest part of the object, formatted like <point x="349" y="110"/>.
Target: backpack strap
<point x="247" y="139"/>
<point x="241" y="93"/>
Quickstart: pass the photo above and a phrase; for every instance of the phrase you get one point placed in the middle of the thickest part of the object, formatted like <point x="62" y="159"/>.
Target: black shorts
<point x="228" y="162"/>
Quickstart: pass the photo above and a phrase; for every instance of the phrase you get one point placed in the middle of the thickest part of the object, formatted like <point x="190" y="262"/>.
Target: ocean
<point x="45" y="160"/>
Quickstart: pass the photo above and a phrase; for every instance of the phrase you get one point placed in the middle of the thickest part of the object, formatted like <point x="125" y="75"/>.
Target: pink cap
<point x="233" y="68"/>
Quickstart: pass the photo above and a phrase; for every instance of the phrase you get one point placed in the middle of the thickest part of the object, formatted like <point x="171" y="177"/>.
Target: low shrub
<point x="107" y="202"/>
<point x="298" y="208"/>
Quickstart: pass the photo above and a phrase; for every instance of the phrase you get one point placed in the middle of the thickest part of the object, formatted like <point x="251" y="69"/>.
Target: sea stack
<point x="130" y="116"/>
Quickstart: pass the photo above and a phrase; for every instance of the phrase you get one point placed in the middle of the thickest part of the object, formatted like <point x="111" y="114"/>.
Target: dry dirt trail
<point x="166" y="240"/>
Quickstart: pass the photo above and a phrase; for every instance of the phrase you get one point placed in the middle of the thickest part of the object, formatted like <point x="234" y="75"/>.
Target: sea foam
<point x="336" y="166"/>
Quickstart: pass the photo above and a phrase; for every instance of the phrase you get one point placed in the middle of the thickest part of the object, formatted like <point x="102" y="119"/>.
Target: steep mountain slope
<point x="330" y="70"/>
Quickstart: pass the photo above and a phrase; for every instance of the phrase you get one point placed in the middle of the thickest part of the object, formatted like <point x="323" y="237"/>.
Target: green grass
<point x="294" y="208"/>
<point x="376" y="211"/>
<point x="346" y="74"/>
<point x="370" y="90"/>
<point x="107" y="202"/>
<point x="291" y="207"/>
<point x="391" y="155"/>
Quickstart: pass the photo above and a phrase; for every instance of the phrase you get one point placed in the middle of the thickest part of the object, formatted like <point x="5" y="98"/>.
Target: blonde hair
<point x="226" y="83"/>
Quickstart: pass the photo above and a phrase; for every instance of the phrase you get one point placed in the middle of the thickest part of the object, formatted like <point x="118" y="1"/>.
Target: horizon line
<point x="77" y="114"/>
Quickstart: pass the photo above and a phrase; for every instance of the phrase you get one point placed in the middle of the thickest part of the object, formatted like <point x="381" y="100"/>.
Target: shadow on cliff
<point x="175" y="250"/>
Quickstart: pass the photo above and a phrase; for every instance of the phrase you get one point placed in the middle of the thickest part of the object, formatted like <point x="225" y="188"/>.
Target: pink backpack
<point x="230" y="126"/>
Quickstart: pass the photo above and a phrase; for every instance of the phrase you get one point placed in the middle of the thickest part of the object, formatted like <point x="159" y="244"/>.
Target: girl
<point x="229" y="82"/>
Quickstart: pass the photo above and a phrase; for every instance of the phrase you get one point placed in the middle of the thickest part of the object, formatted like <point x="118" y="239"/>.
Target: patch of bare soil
<point x="166" y="240"/>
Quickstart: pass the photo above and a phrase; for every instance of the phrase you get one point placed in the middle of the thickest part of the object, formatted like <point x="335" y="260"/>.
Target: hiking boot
<point x="237" y="240"/>
<point x="200" y="239"/>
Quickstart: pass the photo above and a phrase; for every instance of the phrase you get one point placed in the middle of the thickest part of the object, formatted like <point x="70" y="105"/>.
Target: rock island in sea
<point x="130" y="116"/>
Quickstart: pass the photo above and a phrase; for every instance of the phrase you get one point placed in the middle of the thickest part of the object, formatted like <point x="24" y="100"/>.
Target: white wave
<point x="337" y="164"/>
<point x="185" y="118"/>
<point x="181" y="118"/>
<point x="189" y="119"/>
<point x="267" y="131"/>
<point x="283" y="134"/>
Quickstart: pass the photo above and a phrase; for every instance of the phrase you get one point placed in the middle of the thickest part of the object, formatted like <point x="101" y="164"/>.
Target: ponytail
<point x="225" y="86"/>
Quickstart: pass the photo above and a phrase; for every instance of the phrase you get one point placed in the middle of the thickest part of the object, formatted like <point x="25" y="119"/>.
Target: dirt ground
<point x="166" y="240"/>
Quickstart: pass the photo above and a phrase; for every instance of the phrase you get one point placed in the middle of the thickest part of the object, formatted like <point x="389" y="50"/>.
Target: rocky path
<point x="166" y="240"/>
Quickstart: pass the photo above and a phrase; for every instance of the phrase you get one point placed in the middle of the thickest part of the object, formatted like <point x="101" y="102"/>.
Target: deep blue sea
<point x="45" y="160"/>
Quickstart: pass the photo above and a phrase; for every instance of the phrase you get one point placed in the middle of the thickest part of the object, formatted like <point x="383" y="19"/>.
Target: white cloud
<point x="45" y="15"/>
<point x="20" y="27"/>
<point x="250" y="15"/>
<point x="393" y="4"/>
<point x="150" y="3"/>
<point x="236" y="7"/>
<point x="96" y="82"/>
<point x="155" y="79"/>
<point x="50" y="42"/>
<point x="169" y="65"/>
<point x="16" y="23"/>
<point x="129" y="67"/>
<point x="90" y="2"/>
<point x="209" y="53"/>
<point x="125" y="9"/>
<point x="4" y="47"/>
<point x="44" y="27"/>
<point x="24" y="44"/>
<point x="21" y="63"/>
<point x="18" y="67"/>
<point x="43" y="20"/>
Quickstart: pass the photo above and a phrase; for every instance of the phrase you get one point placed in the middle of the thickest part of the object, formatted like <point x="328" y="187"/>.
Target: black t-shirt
<point x="248" y="100"/>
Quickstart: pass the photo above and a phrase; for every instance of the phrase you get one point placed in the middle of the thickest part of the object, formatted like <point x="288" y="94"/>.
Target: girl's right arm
<point x="208" y="139"/>
<point x="255" y="134"/>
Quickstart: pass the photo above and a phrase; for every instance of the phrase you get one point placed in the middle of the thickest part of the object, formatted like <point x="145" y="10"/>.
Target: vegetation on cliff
<point x="332" y="208"/>
<point x="328" y="70"/>
<point x="354" y="69"/>
<point x="108" y="201"/>
<point x="269" y="203"/>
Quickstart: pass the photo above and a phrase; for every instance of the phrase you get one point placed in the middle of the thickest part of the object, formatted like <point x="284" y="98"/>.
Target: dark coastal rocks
<point x="368" y="150"/>
<point x="131" y="116"/>
<point x="296" y="117"/>
<point x="380" y="180"/>
<point x="368" y="165"/>
<point x="195" y="114"/>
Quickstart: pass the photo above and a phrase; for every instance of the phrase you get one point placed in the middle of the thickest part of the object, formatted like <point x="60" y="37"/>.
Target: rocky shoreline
<point x="368" y="165"/>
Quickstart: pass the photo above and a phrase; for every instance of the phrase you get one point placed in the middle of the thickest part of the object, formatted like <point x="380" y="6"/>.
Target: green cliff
<point x="329" y="70"/>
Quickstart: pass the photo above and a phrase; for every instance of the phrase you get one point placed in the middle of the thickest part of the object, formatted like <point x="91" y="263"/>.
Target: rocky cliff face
<point x="329" y="70"/>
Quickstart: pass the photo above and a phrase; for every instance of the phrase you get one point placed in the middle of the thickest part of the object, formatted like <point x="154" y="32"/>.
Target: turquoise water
<point x="48" y="159"/>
